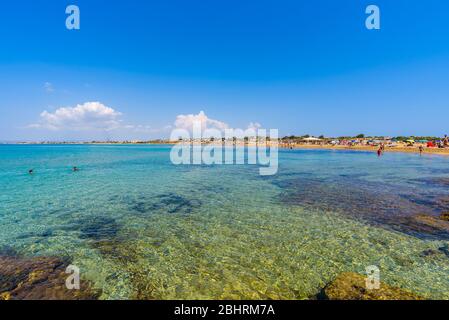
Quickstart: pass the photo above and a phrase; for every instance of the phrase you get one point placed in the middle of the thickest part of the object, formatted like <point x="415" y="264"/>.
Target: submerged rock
<point x="352" y="286"/>
<point x="444" y="249"/>
<point x="429" y="253"/>
<point x="168" y="202"/>
<point x="427" y="221"/>
<point x="124" y="252"/>
<point x="98" y="228"/>
<point x="385" y="207"/>
<point x="424" y="226"/>
<point x="444" y="216"/>
<point x="38" y="278"/>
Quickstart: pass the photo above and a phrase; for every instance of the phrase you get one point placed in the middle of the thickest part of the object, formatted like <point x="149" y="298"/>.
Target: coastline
<point x="400" y="149"/>
<point x="436" y="151"/>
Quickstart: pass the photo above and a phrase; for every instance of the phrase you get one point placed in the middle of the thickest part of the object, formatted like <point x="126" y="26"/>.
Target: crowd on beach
<point x="377" y="141"/>
<point x="379" y="144"/>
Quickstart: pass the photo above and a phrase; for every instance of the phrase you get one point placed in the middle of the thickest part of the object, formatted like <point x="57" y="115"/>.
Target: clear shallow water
<point x="140" y="227"/>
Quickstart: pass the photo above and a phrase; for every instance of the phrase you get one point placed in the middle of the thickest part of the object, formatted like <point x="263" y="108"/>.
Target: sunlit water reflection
<point x="140" y="227"/>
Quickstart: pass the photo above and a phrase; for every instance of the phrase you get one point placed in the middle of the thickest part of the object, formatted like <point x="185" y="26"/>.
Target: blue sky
<point x="299" y="66"/>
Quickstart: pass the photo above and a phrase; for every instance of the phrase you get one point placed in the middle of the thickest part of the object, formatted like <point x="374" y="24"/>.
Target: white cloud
<point x="87" y="116"/>
<point x="145" y="129"/>
<point x="186" y="122"/>
<point x="49" y="87"/>
<point x="95" y="116"/>
<point x="254" y="126"/>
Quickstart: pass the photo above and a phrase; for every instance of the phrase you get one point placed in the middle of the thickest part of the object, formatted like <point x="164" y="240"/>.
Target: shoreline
<point x="282" y="146"/>
<point x="435" y="151"/>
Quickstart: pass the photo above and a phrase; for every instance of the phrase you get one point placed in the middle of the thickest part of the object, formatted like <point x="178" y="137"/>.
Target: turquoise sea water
<point x="141" y="228"/>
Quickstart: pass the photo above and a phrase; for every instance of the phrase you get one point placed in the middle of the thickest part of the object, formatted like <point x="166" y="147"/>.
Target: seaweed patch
<point x="169" y="202"/>
<point x="97" y="228"/>
<point x="362" y="200"/>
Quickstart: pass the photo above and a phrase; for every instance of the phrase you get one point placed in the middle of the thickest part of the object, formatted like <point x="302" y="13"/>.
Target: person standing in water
<point x="421" y="149"/>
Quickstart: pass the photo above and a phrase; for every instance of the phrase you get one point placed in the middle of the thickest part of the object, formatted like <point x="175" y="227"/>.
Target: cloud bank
<point x="93" y="117"/>
<point x="87" y="116"/>
<point x="186" y="122"/>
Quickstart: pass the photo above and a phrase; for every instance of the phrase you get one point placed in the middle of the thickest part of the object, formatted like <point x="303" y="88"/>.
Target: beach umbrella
<point x="311" y="139"/>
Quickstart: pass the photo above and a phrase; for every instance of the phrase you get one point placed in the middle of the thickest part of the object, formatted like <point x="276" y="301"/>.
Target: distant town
<point x="304" y="139"/>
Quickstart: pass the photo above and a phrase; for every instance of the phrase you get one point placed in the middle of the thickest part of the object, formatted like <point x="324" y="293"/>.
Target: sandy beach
<point x="403" y="149"/>
<point x="439" y="151"/>
<point x="400" y="148"/>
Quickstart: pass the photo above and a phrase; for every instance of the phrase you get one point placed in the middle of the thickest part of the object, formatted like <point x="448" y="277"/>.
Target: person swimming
<point x="75" y="169"/>
<point x="31" y="171"/>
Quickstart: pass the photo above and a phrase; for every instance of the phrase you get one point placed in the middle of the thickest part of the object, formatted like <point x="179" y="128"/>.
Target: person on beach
<point x="445" y="141"/>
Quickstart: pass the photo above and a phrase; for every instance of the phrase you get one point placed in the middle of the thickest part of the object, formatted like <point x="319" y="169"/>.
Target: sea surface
<point x="139" y="227"/>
